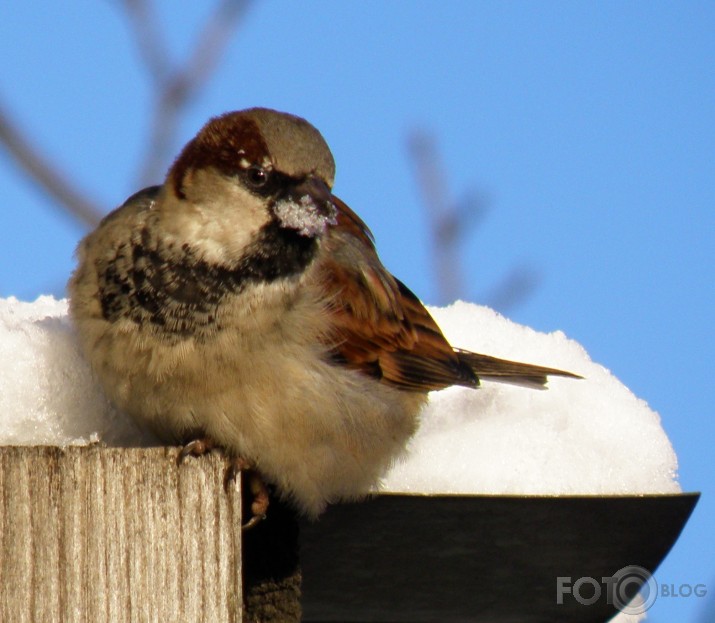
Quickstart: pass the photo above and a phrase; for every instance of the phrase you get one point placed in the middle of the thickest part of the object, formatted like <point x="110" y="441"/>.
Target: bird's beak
<point x="307" y="207"/>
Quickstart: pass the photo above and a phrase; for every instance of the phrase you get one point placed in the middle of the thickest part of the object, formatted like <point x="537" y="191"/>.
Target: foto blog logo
<point x="632" y="590"/>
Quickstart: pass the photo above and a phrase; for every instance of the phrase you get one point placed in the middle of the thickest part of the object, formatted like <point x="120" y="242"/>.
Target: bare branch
<point x="50" y="179"/>
<point x="148" y="39"/>
<point x="177" y="90"/>
<point x="514" y="289"/>
<point x="448" y="222"/>
<point x="219" y="30"/>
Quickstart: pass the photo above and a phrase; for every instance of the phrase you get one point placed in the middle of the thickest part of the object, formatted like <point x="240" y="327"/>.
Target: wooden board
<point x="117" y="535"/>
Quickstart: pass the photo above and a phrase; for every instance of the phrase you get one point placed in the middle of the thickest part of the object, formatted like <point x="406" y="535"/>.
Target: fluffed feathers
<point x="242" y="301"/>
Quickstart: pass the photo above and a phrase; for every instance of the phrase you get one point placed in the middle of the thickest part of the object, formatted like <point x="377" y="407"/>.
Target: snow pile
<point x="588" y="436"/>
<point x="47" y="393"/>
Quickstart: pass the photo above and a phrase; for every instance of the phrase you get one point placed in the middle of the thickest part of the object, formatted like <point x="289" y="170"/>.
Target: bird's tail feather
<point x="504" y="371"/>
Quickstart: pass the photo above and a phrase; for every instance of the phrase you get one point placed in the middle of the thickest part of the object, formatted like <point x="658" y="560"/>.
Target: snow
<point x="47" y="393"/>
<point x="304" y="216"/>
<point x="590" y="436"/>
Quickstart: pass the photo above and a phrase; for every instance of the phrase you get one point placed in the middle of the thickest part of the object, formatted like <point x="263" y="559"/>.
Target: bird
<point x="242" y="305"/>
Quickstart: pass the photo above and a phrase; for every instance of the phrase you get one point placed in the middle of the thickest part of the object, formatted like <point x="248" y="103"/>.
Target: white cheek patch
<point x="304" y="216"/>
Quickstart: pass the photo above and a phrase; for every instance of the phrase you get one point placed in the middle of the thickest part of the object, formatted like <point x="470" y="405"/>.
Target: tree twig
<point x="448" y="222"/>
<point x="177" y="87"/>
<point x="514" y="288"/>
<point x="148" y="40"/>
<point x="48" y="177"/>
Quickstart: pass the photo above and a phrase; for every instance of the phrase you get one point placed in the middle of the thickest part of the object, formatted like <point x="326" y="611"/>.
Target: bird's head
<point x="245" y="173"/>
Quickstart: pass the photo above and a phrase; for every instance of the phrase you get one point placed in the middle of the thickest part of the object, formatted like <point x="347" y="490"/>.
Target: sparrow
<point x="243" y="305"/>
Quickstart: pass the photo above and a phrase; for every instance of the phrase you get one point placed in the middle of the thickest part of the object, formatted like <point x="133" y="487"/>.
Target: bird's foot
<point x="256" y="487"/>
<point x="237" y="465"/>
<point x="196" y="447"/>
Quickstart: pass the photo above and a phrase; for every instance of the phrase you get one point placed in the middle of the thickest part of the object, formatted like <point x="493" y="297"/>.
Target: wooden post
<point x="117" y="535"/>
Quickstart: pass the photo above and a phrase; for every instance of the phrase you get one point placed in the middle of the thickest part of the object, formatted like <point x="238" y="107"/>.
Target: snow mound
<point x="590" y="436"/>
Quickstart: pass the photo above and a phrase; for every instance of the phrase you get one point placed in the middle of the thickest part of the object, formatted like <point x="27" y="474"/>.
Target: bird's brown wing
<point x="383" y="330"/>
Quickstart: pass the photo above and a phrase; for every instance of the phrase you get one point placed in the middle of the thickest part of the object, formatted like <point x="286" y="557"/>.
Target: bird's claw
<point x="196" y="447"/>
<point x="257" y="488"/>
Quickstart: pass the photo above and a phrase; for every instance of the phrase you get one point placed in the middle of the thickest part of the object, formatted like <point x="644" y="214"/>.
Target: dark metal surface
<point x="489" y="559"/>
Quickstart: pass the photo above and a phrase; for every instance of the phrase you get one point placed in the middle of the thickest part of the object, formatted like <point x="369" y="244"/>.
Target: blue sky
<point x="589" y="125"/>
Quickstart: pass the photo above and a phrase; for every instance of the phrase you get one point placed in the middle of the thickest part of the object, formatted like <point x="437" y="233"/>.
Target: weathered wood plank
<point x="118" y="535"/>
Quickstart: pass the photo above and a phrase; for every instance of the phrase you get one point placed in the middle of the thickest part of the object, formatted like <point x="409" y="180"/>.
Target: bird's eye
<point x="256" y="176"/>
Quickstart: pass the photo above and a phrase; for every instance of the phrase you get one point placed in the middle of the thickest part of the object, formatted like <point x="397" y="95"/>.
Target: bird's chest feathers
<point x="170" y="288"/>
